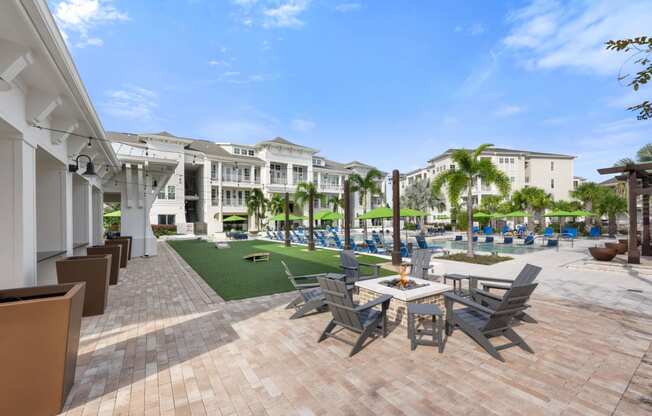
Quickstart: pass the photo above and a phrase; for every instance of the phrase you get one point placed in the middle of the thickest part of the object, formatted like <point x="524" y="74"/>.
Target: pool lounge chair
<point x="488" y="231"/>
<point x="320" y="240"/>
<point x="482" y="323"/>
<point x="373" y="248"/>
<point x="361" y="319"/>
<point x="595" y="232"/>
<point x="423" y="244"/>
<point x="404" y="250"/>
<point x="508" y="240"/>
<point x="489" y="239"/>
<point x="458" y="238"/>
<point x="529" y="240"/>
<point x="380" y="242"/>
<point x="505" y="230"/>
<point x="569" y="232"/>
<point x="475" y="239"/>
<point x="310" y="297"/>
<point x="280" y="236"/>
<point x="548" y="232"/>
<point x="337" y="241"/>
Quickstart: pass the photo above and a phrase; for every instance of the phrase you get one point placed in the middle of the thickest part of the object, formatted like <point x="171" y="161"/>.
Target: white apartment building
<point x="550" y="171"/>
<point x="212" y="181"/>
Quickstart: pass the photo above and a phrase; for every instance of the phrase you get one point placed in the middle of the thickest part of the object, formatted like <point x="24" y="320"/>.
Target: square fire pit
<point x="418" y="291"/>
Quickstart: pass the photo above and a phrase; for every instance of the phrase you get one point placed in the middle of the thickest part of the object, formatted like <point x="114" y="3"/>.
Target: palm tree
<point x="276" y="204"/>
<point x="611" y="204"/>
<point x="532" y="199"/>
<point x="588" y="193"/>
<point x="307" y="193"/>
<point x="469" y="167"/>
<point x="367" y="186"/>
<point x="418" y="196"/>
<point x="643" y="155"/>
<point x="256" y="205"/>
<point x="336" y="201"/>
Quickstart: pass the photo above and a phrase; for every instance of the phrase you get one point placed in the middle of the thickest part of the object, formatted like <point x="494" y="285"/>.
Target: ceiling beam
<point x="13" y="60"/>
<point x="67" y="126"/>
<point x="40" y="105"/>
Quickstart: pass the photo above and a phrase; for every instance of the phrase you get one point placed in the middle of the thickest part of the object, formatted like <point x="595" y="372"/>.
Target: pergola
<point x="639" y="182"/>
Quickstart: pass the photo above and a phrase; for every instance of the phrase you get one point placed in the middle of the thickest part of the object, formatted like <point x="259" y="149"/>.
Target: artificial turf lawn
<point x="234" y="278"/>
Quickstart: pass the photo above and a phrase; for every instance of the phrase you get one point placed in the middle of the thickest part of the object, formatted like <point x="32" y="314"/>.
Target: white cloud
<point x="508" y="110"/>
<point x="475" y="29"/>
<point x="82" y="16"/>
<point x="348" y="7"/>
<point x="303" y="126"/>
<point x="132" y="102"/>
<point x="555" y="34"/>
<point x="286" y="14"/>
<point x="270" y="13"/>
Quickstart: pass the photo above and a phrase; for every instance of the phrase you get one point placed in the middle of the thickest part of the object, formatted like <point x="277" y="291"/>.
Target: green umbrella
<point x="497" y="215"/>
<point x="581" y="213"/>
<point x="234" y="218"/>
<point x="558" y="213"/>
<point x="332" y="216"/>
<point x="481" y="215"/>
<point x="517" y="214"/>
<point x="114" y="214"/>
<point x="409" y="212"/>
<point x="443" y="217"/>
<point x="281" y="217"/>
<point x="376" y="213"/>
<point x="320" y="214"/>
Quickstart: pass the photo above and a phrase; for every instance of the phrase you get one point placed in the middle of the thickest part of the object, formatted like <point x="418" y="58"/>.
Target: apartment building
<point x="550" y="171"/>
<point x="212" y="181"/>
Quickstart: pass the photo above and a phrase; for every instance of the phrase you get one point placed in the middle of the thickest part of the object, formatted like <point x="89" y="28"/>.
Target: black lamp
<point x="90" y="168"/>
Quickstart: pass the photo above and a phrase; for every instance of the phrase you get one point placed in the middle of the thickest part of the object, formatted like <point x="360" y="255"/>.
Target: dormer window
<point x="236" y="150"/>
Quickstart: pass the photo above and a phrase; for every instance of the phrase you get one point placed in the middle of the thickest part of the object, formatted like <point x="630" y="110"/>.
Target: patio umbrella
<point x="581" y="213"/>
<point x="481" y="215"/>
<point x="377" y="213"/>
<point x="560" y="213"/>
<point x="320" y="215"/>
<point x="332" y="216"/>
<point x="114" y="214"/>
<point x="281" y="217"/>
<point x="234" y="218"/>
<point x="517" y="214"/>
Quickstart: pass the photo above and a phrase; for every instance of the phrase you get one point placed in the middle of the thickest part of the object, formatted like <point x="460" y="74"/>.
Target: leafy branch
<point x="643" y="46"/>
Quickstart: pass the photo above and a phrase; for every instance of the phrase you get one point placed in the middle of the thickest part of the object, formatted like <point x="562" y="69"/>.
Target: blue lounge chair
<point x="355" y="247"/>
<point x="570" y="232"/>
<point x="476" y="229"/>
<point x="280" y="236"/>
<point x="404" y="250"/>
<point x="552" y="243"/>
<point x="373" y="249"/>
<point x="489" y="239"/>
<point x="337" y="241"/>
<point x="475" y="238"/>
<point x="269" y="235"/>
<point x="458" y="238"/>
<point x="529" y="240"/>
<point x="298" y="238"/>
<point x="423" y="244"/>
<point x="488" y="230"/>
<point x="595" y="232"/>
<point x="508" y="240"/>
<point x="548" y="232"/>
<point x="505" y="229"/>
<point x="378" y="239"/>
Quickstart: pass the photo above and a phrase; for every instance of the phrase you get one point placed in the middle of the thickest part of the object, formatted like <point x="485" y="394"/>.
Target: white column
<point x="220" y="224"/>
<point x="290" y="178"/>
<point x="251" y="173"/>
<point x="89" y="213"/>
<point x="18" y="207"/>
<point x="67" y="208"/>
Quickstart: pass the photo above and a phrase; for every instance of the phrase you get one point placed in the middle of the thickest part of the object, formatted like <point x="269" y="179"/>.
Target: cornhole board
<point x="256" y="257"/>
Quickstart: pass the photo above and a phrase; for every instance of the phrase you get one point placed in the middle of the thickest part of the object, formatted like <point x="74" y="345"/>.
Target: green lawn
<point x="234" y="278"/>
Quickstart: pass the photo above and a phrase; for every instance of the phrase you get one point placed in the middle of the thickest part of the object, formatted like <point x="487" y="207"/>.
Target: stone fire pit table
<point x="433" y="292"/>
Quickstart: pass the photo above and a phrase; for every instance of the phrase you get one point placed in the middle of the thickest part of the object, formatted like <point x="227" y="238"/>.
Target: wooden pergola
<point x="639" y="183"/>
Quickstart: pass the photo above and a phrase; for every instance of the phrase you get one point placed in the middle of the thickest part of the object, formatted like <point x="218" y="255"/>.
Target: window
<point x="166" y="219"/>
<point x="500" y="160"/>
<point x="213" y="170"/>
<point x="161" y="193"/>
<point x="452" y="167"/>
<point x="552" y="183"/>
<point x="552" y="166"/>
<point x="512" y="179"/>
<point x="171" y="192"/>
<point x="527" y="179"/>
<point x="213" y="193"/>
<point x="236" y="150"/>
<point x="511" y="160"/>
<point x="251" y="153"/>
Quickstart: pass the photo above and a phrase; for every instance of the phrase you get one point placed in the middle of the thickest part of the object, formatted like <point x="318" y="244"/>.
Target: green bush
<point x="163" y="229"/>
<point x="410" y="226"/>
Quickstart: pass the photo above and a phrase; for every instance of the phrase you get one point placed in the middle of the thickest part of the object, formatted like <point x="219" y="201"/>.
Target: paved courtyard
<point x="168" y="345"/>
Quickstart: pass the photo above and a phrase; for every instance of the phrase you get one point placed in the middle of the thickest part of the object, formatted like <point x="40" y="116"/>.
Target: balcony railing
<point x="278" y="181"/>
<point x="239" y="178"/>
<point x="233" y="202"/>
<point x="331" y="186"/>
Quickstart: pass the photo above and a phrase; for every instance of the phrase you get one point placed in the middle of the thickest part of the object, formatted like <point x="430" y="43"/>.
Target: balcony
<point x="234" y="202"/>
<point x="278" y="180"/>
<point x="331" y="187"/>
<point x="239" y="179"/>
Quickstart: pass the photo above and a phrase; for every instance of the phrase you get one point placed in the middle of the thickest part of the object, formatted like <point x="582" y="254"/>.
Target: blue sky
<point x="391" y="83"/>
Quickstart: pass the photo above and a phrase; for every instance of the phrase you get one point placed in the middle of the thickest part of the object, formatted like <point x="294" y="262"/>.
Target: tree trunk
<point x="364" y="211"/>
<point x="311" y="240"/>
<point x="469" y="217"/>
<point x="613" y="226"/>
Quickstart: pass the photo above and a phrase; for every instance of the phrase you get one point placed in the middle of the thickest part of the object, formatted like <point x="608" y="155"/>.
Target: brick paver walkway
<point x="168" y="345"/>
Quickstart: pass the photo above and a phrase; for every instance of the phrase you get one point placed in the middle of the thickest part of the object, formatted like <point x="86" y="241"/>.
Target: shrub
<point x="163" y="229"/>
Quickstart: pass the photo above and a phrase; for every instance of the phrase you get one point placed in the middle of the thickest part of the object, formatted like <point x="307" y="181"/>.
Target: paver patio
<point x="168" y="345"/>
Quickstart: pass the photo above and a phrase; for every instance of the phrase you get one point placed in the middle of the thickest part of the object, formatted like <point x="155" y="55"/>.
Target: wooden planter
<point x="619" y="247"/>
<point x="39" y="342"/>
<point x="125" y="244"/>
<point x="603" y="253"/>
<point x="115" y="252"/>
<point x="625" y="243"/>
<point x="95" y="272"/>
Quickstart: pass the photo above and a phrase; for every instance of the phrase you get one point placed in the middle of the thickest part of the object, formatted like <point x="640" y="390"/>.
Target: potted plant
<point x="95" y="272"/>
<point x="125" y="243"/>
<point x="40" y="338"/>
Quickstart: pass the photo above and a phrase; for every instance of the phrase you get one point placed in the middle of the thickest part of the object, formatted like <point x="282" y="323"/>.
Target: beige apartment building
<point x="552" y="172"/>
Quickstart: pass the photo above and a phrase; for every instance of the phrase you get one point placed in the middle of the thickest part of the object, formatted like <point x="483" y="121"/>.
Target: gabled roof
<point x="331" y="165"/>
<point x="214" y="149"/>
<point x="285" y="142"/>
<point x="503" y="150"/>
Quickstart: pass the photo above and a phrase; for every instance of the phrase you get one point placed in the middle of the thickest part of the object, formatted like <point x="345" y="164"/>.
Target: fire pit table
<point x="417" y="291"/>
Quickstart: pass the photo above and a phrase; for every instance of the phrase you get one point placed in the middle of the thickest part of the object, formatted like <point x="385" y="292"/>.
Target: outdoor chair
<point x="508" y="240"/>
<point x="351" y="267"/>
<point x="570" y="232"/>
<point x="595" y="232"/>
<point x="529" y="240"/>
<point x="548" y="232"/>
<point x="404" y="250"/>
<point x="552" y="243"/>
<point x="361" y="319"/>
<point x="377" y="239"/>
<point x="489" y="239"/>
<point x="423" y="244"/>
<point x="373" y="249"/>
<point x="482" y="323"/>
<point x="484" y="297"/>
<point x="420" y="264"/>
<point x="337" y="241"/>
<point x="505" y="229"/>
<point x="310" y="296"/>
<point x="475" y="239"/>
<point x="488" y="231"/>
<point x="280" y="236"/>
<point x="458" y="238"/>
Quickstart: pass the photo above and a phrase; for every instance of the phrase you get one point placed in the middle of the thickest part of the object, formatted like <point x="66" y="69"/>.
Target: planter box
<point x="39" y="342"/>
<point x="115" y="252"/>
<point x="95" y="272"/>
<point x="125" y="244"/>
<point x="603" y="253"/>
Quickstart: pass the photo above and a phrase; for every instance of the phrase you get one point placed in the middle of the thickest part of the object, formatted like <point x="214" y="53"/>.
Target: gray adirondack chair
<point x="361" y="319"/>
<point x="484" y="297"/>
<point x="482" y="323"/>
<point x="310" y="296"/>
<point x="420" y="264"/>
<point x="351" y="267"/>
